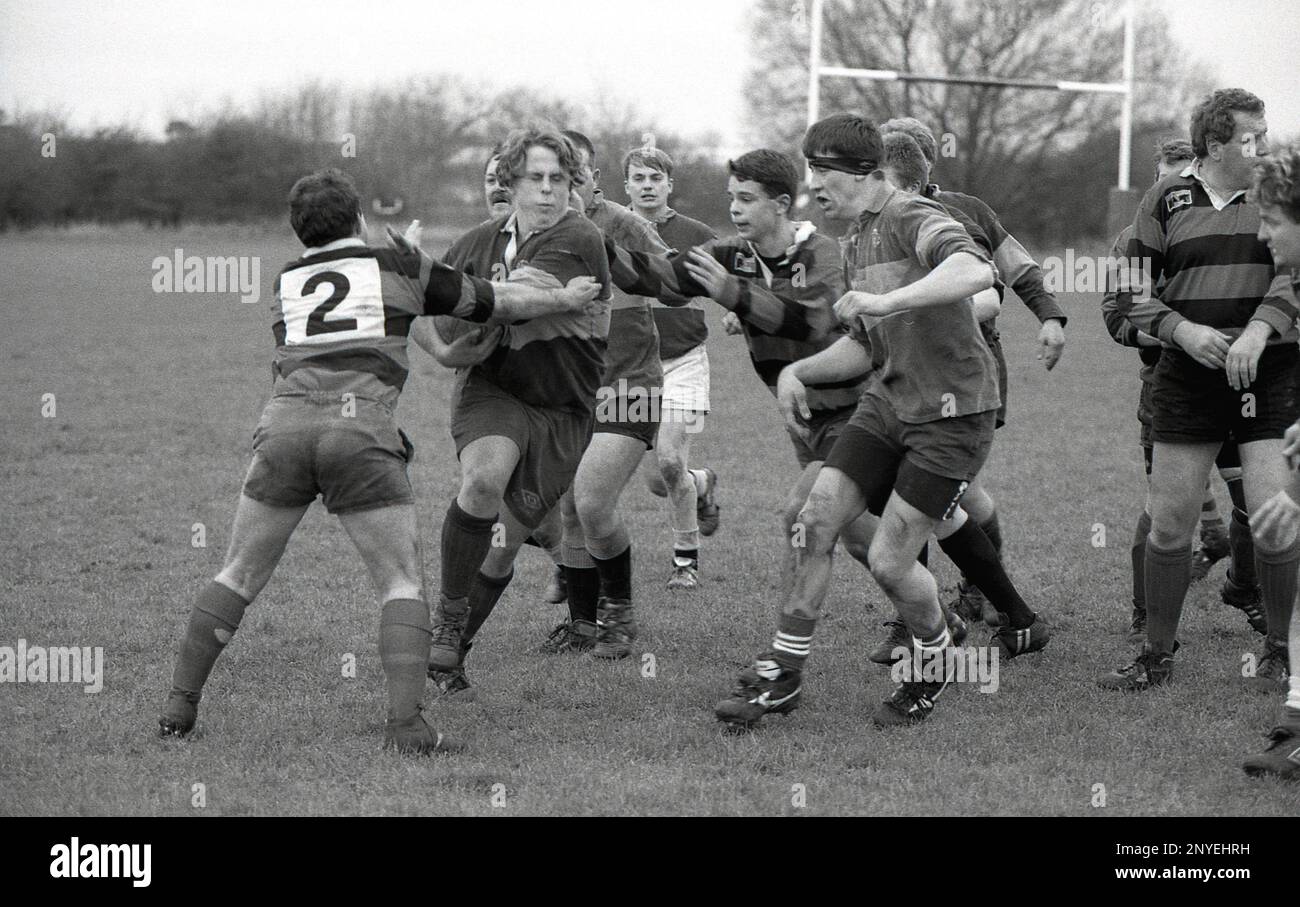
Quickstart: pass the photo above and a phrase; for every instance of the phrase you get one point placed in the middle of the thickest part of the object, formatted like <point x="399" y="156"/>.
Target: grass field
<point x="157" y="396"/>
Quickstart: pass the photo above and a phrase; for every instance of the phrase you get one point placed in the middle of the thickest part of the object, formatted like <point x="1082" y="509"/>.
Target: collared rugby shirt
<point x="1207" y="264"/>
<point x="342" y="313"/>
<point x="555" y="361"/>
<point x="928" y="363"/>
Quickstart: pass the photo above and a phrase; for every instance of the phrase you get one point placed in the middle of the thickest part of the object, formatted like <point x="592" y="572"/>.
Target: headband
<point x="859" y="166"/>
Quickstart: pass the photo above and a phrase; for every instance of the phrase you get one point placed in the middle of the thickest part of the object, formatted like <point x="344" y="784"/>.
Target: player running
<point x="1023" y="275"/>
<point x="524" y="415"/>
<point x="1276" y="190"/>
<point x="342" y="313"/>
<point x="918" y="437"/>
<point x="691" y="493"/>
<point x="597" y="547"/>
<point x="1240" y="589"/>
<point x="1227" y="320"/>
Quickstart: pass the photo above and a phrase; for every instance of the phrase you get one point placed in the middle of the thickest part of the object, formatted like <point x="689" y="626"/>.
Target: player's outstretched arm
<point x="987" y="304"/>
<point x="845" y="359"/>
<point x="522" y="298"/>
<point x="804" y="314"/>
<point x="960" y="275"/>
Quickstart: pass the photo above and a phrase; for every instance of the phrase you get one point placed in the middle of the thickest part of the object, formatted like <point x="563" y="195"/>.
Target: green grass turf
<point x="157" y="396"/>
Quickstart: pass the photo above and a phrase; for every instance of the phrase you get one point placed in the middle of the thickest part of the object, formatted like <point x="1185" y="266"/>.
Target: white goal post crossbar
<point x="816" y="72"/>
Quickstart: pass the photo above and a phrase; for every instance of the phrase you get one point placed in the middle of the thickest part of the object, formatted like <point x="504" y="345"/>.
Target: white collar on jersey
<point x="803" y="230"/>
<point x="1218" y="201"/>
<point x="331" y="246"/>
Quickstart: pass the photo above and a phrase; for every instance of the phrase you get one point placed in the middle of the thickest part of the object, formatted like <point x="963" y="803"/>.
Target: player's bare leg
<point x="1265" y="473"/>
<point x="258" y="537"/>
<point x="688" y="492"/>
<point x="774" y="682"/>
<point x="607" y="466"/>
<point x="1176" y="492"/>
<point x="388" y="542"/>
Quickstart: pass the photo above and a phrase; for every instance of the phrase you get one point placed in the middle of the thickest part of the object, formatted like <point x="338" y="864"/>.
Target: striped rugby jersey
<point x="1015" y="265"/>
<point x="1121" y="329"/>
<point x="555" y="361"/>
<point x="786" y="304"/>
<point x="928" y="363"/>
<point x="682" y="328"/>
<point x="1207" y="263"/>
<point x="633" y="352"/>
<point x="342" y="314"/>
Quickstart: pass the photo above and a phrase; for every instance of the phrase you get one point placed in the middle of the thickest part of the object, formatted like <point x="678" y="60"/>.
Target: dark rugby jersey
<point x="342" y="314"/>
<point x="681" y="328"/>
<point x="1121" y="329"/>
<point x="1015" y="265"/>
<point x="928" y="363"/>
<point x="633" y="352"/>
<point x="555" y="361"/>
<point x="1207" y="264"/>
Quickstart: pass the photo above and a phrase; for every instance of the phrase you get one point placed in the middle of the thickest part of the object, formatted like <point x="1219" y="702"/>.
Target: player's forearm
<point x="520" y="301"/>
<point x="842" y="360"/>
<point x="426" y="338"/>
<point x="793" y="317"/>
<point x="957" y="277"/>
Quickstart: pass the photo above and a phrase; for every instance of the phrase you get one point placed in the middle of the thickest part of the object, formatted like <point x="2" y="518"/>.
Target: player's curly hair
<point x="324" y="206"/>
<point x="514" y="153"/>
<point x="1277" y="182"/>
<point x="770" y="169"/>
<point x="919" y="132"/>
<point x="1212" y="119"/>
<point x="905" y="155"/>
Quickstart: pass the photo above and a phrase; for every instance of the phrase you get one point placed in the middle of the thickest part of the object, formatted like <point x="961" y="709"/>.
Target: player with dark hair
<point x="524" y="415"/>
<point x="1240" y="589"/>
<point x="691" y="492"/>
<point x="342" y="314"/>
<point x="919" y="435"/>
<point x="1227" y="322"/>
<point x="1022" y="274"/>
<point x="1276" y="190"/>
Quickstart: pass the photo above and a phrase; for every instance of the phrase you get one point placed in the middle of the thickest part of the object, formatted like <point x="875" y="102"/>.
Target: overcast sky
<point x="680" y="61"/>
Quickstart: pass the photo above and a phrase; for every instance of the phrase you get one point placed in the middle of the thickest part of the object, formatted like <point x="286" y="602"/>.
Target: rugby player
<point x="918" y="437"/>
<point x="1240" y="589"/>
<point x="597" y="547"/>
<point x="1227" y="320"/>
<point x="1023" y="275"/>
<point x="1276" y="190"/>
<point x="524" y="415"/>
<point x="691" y="493"/>
<point x="342" y="314"/>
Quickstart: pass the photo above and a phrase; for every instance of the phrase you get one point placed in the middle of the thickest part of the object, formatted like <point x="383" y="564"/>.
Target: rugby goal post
<point x="1123" y="200"/>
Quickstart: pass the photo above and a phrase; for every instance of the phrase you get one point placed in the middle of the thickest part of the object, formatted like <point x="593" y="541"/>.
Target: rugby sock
<point x="404" y="635"/>
<point x="993" y="529"/>
<point x="1277" y="582"/>
<point x="213" y="621"/>
<point x="793" y="641"/>
<point x="1168" y="574"/>
<point x="970" y="549"/>
<point x="1242" y="570"/>
<point x="1293" y="695"/>
<point x="584" y="592"/>
<point x="613" y="557"/>
<point x="483" y="597"/>
<point x="465" y="543"/>
<point x="701" y="480"/>
<point x="686" y="547"/>
<point x="1138" y="555"/>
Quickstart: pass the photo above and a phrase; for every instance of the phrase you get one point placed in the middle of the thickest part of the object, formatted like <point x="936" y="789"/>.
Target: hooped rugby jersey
<point x="554" y="361"/>
<point x="1207" y="263"/>
<point x="342" y="314"/>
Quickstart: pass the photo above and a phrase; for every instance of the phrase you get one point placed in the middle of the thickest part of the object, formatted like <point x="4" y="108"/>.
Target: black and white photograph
<point x="673" y="408"/>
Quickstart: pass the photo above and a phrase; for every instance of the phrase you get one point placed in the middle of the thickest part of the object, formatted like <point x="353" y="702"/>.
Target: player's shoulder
<point x="576" y="230"/>
<point x="1171" y="194"/>
<point x="696" y="231"/>
<point x="488" y="228"/>
<point x="310" y="259"/>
